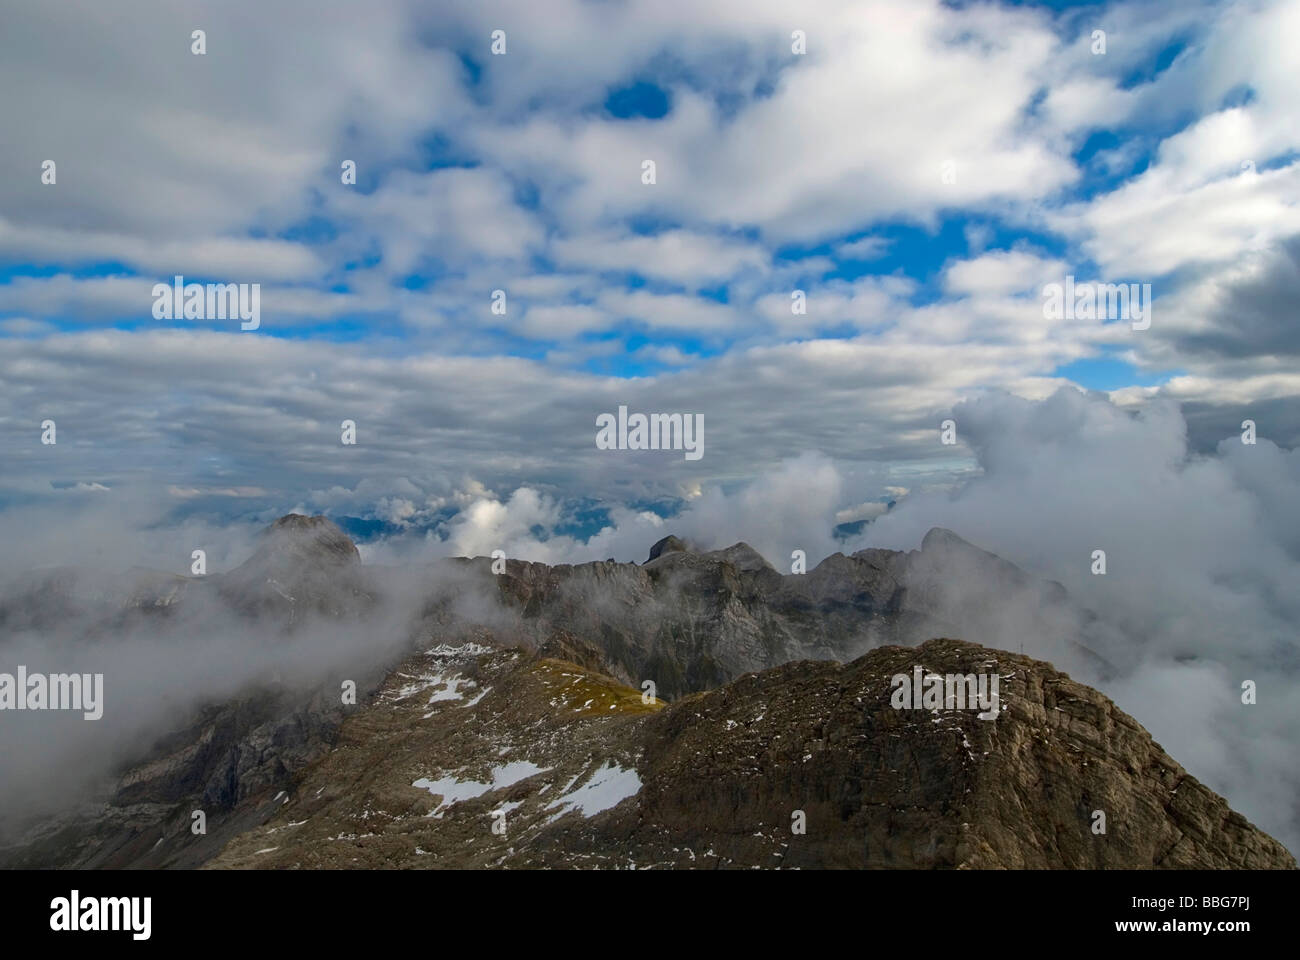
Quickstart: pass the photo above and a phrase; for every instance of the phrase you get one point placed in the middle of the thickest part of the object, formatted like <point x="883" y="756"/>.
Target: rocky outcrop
<point x="886" y="787"/>
<point x="297" y="540"/>
<point x="303" y="566"/>
<point x="696" y="620"/>
<point x="528" y="693"/>
<point x="477" y="757"/>
<point x="223" y="758"/>
<point x="668" y="544"/>
<point x="228" y="762"/>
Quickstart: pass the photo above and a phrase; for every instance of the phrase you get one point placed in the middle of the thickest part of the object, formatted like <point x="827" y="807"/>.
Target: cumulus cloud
<point x="1202" y="587"/>
<point x="488" y="173"/>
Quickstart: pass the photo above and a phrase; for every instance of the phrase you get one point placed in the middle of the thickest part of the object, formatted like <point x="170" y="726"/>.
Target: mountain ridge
<point x="697" y="626"/>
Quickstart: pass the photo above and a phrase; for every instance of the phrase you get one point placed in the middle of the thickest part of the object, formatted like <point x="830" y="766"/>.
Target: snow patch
<point x="608" y="787"/>
<point x="463" y="650"/>
<point x="453" y="791"/>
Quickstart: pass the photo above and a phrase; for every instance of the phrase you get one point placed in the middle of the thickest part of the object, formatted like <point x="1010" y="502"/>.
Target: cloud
<point x="1202" y="589"/>
<point x="1160" y="222"/>
<point x="1002" y="272"/>
<point x="448" y="215"/>
<point x="689" y="258"/>
<point x="478" y="173"/>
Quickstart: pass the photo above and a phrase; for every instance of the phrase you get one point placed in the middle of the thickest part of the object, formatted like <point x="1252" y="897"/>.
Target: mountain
<point x="695" y="620"/>
<point x="301" y="564"/>
<point x="585" y="774"/>
<point x="522" y="692"/>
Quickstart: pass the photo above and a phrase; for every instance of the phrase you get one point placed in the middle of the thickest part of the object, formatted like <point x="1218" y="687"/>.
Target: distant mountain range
<point x="698" y="710"/>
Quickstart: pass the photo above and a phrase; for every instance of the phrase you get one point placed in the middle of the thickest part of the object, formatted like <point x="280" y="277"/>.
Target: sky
<point x="917" y="175"/>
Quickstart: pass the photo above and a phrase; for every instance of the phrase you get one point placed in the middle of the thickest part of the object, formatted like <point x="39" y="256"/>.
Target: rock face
<point x="523" y="693"/>
<point x="696" y="620"/>
<point x="886" y="787"/>
<point x="224" y="761"/>
<point x="302" y="565"/>
<point x="668" y="544"/>
<point x="295" y="539"/>
<point x="223" y="757"/>
<point x="577" y="771"/>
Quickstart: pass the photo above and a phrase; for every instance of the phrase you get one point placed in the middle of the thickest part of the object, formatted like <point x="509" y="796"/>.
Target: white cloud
<point x="678" y="255"/>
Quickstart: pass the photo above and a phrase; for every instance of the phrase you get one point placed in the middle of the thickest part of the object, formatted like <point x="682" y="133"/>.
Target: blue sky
<point x="919" y="173"/>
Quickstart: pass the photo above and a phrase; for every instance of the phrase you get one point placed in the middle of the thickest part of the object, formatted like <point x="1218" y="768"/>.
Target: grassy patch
<point x="571" y="688"/>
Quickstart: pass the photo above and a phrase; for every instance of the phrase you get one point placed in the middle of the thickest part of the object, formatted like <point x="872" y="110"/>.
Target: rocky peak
<point x="779" y="689"/>
<point x="711" y="780"/>
<point x="300" y="563"/>
<point x="741" y="556"/>
<point x="668" y="544"/>
<point x="316" y="539"/>
<point x="943" y="537"/>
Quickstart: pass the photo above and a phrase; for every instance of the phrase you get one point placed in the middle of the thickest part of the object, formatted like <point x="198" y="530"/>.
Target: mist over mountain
<point x="223" y="695"/>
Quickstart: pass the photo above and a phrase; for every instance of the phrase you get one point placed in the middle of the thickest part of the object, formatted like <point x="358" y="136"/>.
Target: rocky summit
<point x="700" y="710"/>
